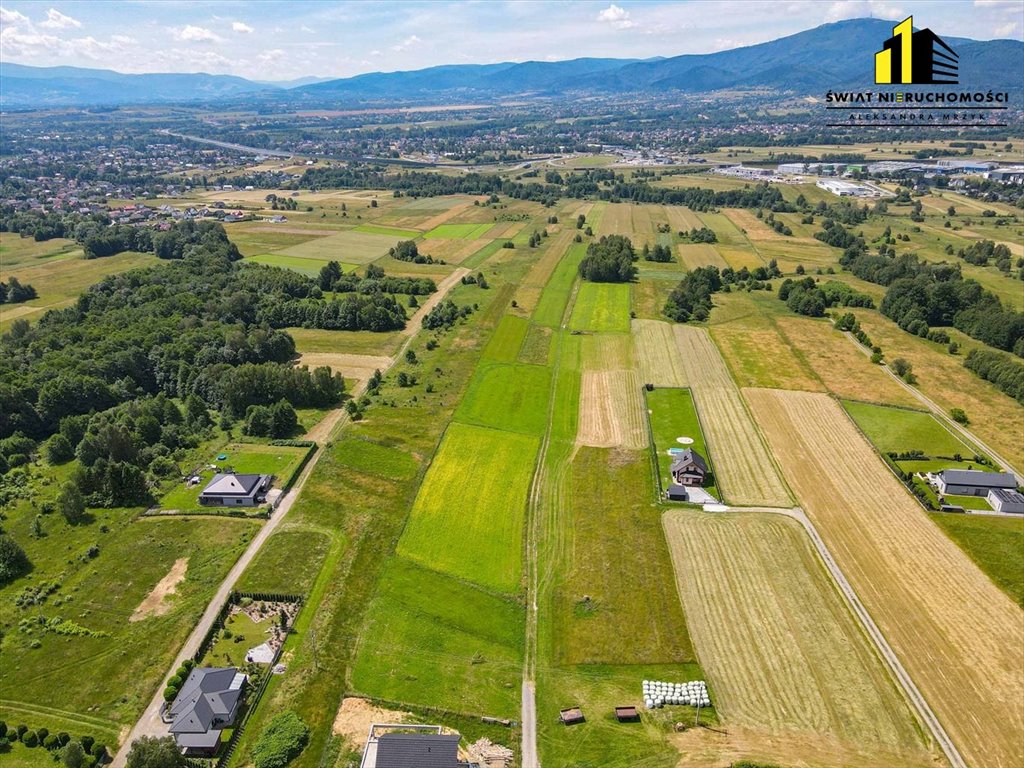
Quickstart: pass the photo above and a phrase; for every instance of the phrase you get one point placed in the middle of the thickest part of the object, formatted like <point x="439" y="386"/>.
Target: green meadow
<point x="601" y="307"/>
<point x="507" y="396"/>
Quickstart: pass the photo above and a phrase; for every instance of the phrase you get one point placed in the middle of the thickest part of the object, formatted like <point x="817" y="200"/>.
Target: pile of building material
<point x="658" y="694"/>
<point x="490" y="755"/>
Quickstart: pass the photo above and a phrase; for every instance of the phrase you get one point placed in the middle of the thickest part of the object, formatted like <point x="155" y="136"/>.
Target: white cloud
<point x="193" y="34"/>
<point x="241" y="28"/>
<point x="13" y="18"/>
<point x="616" y="16"/>
<point x="859" y="9"/>
<point x="726" y="44"/>
<point x="306" y="29"/>
<point x="272" y="55"/>
<point x="1007" y="5"/>
<point x="375" y="52"/>
<point x="409" y="42"/>
<point x="1006" y="30"/>
<point x="57" y="20"/>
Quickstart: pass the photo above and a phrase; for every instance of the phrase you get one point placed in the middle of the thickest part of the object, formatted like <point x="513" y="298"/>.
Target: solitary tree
<point x="73" y="756"/>
<point x="71" y="503"/>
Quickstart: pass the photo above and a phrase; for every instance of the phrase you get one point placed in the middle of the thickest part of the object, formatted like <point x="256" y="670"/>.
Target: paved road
<point x="940" y="414"/>
<point x="924" y="711"/>
<point x="529" y="726"/>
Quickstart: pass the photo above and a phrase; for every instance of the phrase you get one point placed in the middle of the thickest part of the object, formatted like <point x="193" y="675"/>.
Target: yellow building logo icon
<point x="915" y="58"/>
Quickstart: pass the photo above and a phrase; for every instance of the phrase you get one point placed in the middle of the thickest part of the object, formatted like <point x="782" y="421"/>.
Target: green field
<point x="468" y="517"/>
<point x="351" y="247"/>
<point x="243" y="458"/>
<point x="377" y="229"/>
<point x="672" y="414"/>
<point x="994" y="543"/>
<point x="459" y="231"/>
<point x="507" y="340"/>
<point x="899" y="430"/>
<point x="304" y="266"/>
<point x="288" y="564"/>
<point x="505" y="396"/>
<point x="601" y="307"/>
<point x="555" y="296"/>
<point x="437" y="641"/>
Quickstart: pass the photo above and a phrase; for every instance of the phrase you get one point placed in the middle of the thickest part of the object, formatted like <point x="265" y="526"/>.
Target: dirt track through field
<point x="959" y="637"/>
<point x="611" y="410"/>
<point x="416" y="321"/>
<point x="744" y="469"/>
<point x="781" y="650"/>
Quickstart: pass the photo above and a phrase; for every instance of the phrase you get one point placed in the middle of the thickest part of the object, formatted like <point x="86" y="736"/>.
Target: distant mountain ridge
<point x="832" y="56"/>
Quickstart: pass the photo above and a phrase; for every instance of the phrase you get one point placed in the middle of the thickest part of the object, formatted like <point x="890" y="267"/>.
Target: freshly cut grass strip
<point x="960" y="638"/>
<point x="611" y="410"/>
<point x="658" y="357"/>
<point x="694" y="255"/>
<point x="778" y="644"/>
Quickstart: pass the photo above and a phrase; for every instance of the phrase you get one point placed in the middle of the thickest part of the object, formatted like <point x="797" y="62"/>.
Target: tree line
<point x="14" y="292"/>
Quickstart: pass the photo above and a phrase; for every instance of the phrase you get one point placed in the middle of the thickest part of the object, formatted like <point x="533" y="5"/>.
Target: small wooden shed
<point x="571" y="716"/>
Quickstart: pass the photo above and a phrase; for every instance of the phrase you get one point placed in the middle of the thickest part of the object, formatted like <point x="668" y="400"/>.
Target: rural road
<point x="903" y="678"/>
<point x="150" y="724"/>
<point x="229" y="145"/>
<point x="529" y="725"/>
<point x="940" y="414"/>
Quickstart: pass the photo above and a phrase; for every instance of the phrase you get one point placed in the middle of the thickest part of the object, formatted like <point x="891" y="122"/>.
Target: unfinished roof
<point x="978" y="478"/>
<point x="1006" y="496"/>
<point x="226" y="484"/>
<point x="418" y="750"/>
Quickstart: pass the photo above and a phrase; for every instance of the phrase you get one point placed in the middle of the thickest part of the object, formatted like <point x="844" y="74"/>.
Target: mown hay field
<point x="657" y="356"/>
<point x="601" y="307"/>
<point x="351" y="247"/>
<point x="554" y="296"/>
<point x="469" y="231"/>
<point x="611" y="410"/>
<point x="960" y="638"/>
<point x="745" y="470"/>
<point x="781" y="650"/>
<point x="694" y="255"/>
<point x="508" y="396"/>
<point x="467" y="520"/>
<point x="682" y="219"/>
<point x="844" y="368"/>
<point x="507" y="339"/>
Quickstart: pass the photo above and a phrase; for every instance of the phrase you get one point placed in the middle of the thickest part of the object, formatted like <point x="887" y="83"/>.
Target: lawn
<point x="507" y="396"/>
<point x="601" y="307"/>
<point x="467" y="520"/>
<point x="459" y="231"/>
<point x="437" y="641"/>
<point x="994" y="543"/>
<point x="673" y="414"/>
<point x="243" y="458"/>
<point x="900" y="430"/>
<point x="242" y="634"/>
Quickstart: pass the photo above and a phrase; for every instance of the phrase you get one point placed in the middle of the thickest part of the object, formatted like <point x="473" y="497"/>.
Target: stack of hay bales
<point x="692" y="694"/>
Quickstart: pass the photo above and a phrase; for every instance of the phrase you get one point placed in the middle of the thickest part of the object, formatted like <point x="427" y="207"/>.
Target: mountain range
<point x="832" y="56"/>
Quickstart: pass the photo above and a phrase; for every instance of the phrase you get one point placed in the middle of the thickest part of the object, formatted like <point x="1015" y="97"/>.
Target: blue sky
<point x="270" y="40"/>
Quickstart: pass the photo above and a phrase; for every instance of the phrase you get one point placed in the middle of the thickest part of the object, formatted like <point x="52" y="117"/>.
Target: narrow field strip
<point x="611" y="410"/>
<point x="657" y="356"/>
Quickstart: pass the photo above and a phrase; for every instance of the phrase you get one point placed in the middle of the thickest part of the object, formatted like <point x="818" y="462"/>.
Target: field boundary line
<point x="939" y="414"/>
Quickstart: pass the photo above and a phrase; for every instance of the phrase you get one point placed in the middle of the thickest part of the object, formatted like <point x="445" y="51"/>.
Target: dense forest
<point x="609" y="260"/>
<point x="128" y="377"/>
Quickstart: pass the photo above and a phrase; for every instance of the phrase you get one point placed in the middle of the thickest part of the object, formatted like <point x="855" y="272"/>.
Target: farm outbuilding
<point x="626" y="714"/>
<point x="571" y="716"/>
<point x="1008" y="502"/>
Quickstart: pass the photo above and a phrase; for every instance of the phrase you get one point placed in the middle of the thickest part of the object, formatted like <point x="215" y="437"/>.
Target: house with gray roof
<point x="973" y="482"/>
<point x="227" y="489"/>
<point x="1007" y="502"/>
<point x="411" y="746"/>
<point x="206" y="704"/>
<point x="689" y="468"/>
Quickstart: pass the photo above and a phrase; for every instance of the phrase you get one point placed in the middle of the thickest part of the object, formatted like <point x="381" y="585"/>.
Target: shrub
<point x="151" y="752"/>
<point x="959" y="416"/>
<point x="3" y="728"/>
<point x="51" y="742"/>
<point x="99" y="751"/>
<point x="280" y="742"/>
<point x="42" y="733"/>
<point x="87" y="742"/>
<point x="13" y="562"/>
<point x="73" y="755"/>
<point x="30" y="739"/>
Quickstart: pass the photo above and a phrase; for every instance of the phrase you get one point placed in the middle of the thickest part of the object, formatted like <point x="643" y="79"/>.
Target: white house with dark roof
<point x="973" y="482"/>
<point x="1007" y="502"/>
<point x="206" y="704"/>
<point x="230" y="490"/>
<point x="688" y="468"/>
